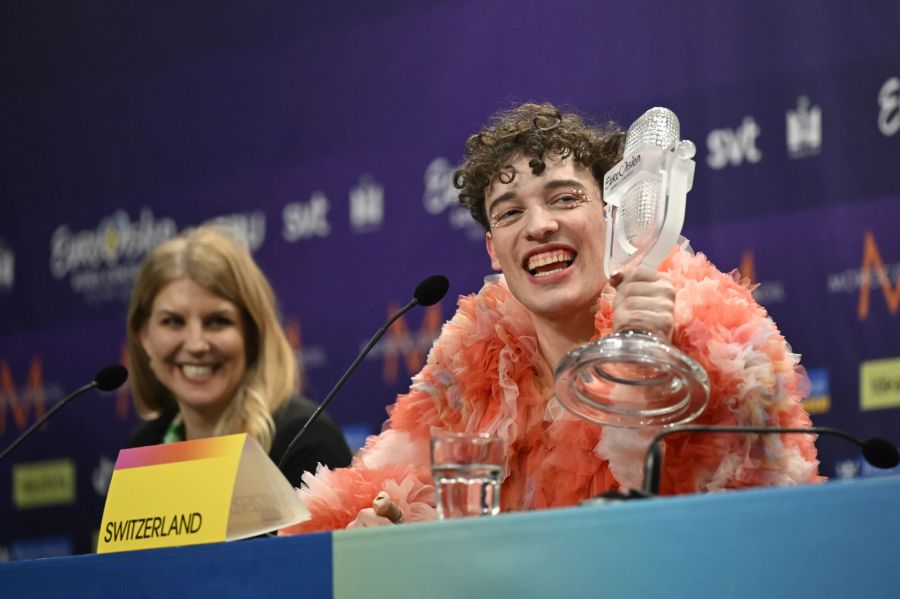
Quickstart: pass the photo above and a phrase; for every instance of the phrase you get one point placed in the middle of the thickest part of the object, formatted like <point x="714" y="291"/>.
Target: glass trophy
<point x="633" y="378"/>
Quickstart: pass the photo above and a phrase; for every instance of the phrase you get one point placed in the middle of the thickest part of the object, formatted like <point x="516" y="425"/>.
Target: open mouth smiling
<point x="197" y="372"/>
<point x="547" y="263"/>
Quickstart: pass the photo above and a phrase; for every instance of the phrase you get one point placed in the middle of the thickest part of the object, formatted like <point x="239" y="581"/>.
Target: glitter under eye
<point x="580" y="194"/>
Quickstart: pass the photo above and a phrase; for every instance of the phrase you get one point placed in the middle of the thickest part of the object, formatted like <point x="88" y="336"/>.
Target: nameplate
<point x="203" y="491"/>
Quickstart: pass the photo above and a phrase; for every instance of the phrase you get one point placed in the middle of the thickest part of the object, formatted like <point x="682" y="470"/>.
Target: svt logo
<point x="733" y="146"/>
<point x="304" y="220"/>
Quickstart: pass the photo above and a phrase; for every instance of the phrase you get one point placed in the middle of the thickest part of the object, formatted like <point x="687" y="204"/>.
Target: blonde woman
<point x="208" y="356"/>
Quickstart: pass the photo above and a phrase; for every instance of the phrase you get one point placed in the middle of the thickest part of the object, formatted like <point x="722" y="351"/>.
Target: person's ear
<point x="489" y="244"/>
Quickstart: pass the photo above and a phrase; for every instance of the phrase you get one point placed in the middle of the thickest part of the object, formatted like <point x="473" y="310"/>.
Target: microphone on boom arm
<point x="428" y="292"/>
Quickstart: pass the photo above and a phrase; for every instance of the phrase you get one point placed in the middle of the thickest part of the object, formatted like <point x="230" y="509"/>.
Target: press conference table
<point x="841" y="539"/>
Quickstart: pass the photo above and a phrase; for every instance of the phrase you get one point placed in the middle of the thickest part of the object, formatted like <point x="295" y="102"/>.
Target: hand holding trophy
<point x="633" y="378"/>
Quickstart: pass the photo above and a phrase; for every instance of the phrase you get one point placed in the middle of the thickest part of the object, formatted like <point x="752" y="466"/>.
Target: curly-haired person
<point x="532" y="177"/>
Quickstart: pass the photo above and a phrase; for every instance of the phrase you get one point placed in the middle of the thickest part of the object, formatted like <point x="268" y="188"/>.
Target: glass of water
<point x="467" y="469"/>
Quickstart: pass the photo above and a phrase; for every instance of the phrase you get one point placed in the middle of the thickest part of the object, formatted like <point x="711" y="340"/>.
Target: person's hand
<point x="383" y="512"/>
<point x="645" y="300"/>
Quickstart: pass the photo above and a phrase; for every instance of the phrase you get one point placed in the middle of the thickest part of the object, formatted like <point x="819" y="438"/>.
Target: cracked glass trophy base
<point x="631" y="379"/>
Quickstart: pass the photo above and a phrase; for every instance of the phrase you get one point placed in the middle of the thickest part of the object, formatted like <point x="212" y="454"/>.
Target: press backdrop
<point x="325" y="134"/>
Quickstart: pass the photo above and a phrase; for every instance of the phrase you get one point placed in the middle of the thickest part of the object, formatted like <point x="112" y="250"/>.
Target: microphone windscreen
<point x="431" y="290"/>
<point x="658" y="126"/>
<point x="111" y="377"/>
<point x="880" y="453"/>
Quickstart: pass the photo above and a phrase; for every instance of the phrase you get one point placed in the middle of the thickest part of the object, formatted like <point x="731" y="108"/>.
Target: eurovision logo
<point x="889" y="107"/>
<point x="441" y="196"/>
<point x="101" y="263"/>
<point x="7" y="268"/>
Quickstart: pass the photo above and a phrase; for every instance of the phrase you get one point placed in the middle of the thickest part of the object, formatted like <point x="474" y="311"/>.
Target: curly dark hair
<point x="536" y="130"/>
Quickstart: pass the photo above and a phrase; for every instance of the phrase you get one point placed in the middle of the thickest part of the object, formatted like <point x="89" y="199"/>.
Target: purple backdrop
<point x="326" y="136"/>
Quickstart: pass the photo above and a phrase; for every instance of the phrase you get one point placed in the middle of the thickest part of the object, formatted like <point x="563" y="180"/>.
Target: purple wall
<point x="327" y="137"/>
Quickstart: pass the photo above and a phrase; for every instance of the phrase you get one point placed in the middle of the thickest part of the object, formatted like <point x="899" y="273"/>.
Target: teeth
<point x="192" y="371"/>
<point x="549" y="272"/>
<point x="546" y="258"/>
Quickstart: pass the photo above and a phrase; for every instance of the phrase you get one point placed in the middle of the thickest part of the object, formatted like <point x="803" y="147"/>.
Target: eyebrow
<point x="223" y="311"/>
<point x="554" y="184"/>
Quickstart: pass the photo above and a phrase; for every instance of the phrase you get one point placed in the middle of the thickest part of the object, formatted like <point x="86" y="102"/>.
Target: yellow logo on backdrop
<point x="43" y="484"/>
<point x="817" y="405"/>
<point x="879" y="384"/>
<point x="872" y="261"/>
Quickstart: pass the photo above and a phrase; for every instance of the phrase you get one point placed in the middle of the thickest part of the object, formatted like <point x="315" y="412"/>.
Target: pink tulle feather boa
<point x="485" y="373"/>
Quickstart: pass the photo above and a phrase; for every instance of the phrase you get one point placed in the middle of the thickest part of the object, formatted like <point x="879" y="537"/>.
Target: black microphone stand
<point x="878" y="452"/>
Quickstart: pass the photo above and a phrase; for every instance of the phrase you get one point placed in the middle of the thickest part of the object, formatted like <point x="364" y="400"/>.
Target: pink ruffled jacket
<point x="485" y="374"/>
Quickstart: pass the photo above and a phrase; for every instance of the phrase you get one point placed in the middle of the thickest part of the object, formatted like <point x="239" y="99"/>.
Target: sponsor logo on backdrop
<point x="123" y="393"/>
<point x="768" y="292"/>
<point x="879" y="384"/>
<point x="43" y="484"/>
<point x="25" y="402"/>
<point x="366" y="205"/>
<point x="819" y="400"/>
<point x="247" y="227"/>
<point x="309" y="357"/>
<point x="873" y="273"/>
<point x="889" y="107"/>
<point x="306" y="220"/>
<point x="7" y="268"/>
<point x="733" y="146"/>
<point x="401" y="341"/>
<point x="441" y="197"/>
<point x="847" y="469"/>
<point x="804" y="129"/>
<point x="102" y="475"/>
<point x="101" y="263"/>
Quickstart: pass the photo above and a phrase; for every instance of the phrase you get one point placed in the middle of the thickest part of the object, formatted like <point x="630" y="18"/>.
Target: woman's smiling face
<point x="195" y="341"/>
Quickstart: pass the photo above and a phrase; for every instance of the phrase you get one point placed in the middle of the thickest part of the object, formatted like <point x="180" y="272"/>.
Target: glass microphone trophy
<point x="633" y="378"/>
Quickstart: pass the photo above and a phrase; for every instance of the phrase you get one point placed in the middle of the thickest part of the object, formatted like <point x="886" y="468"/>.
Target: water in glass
<point x="464" y="490"/>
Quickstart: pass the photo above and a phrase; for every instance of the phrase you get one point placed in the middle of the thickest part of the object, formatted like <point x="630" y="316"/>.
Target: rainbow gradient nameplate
<point x="203" y="491"/>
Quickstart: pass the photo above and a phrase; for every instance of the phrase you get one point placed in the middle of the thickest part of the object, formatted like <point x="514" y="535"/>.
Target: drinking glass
<point x="467" y="469"/>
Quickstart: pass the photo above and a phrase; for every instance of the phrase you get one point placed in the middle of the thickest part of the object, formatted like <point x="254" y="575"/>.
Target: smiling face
<point x="547" y="236"/>
<point x="195" y="342"/>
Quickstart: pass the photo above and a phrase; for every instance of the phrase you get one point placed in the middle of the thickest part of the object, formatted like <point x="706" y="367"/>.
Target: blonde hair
<point x="214" y="260"/>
